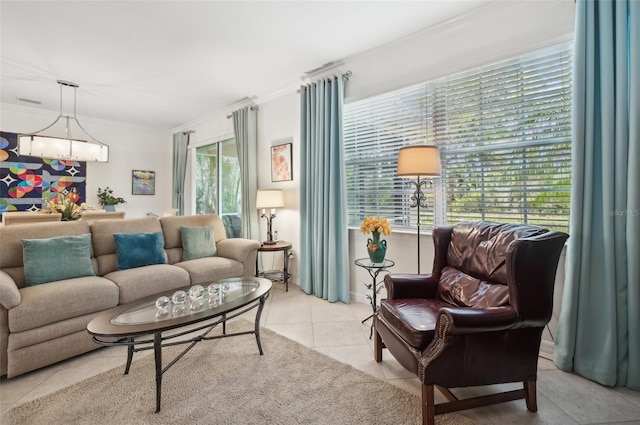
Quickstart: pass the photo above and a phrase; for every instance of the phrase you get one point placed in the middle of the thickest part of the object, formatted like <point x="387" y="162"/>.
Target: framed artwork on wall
<point x="143" y="182"/>
<point x="281" y="167"/>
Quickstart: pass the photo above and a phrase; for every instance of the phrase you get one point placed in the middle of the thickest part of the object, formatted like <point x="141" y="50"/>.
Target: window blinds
<point x="504" y="133"/>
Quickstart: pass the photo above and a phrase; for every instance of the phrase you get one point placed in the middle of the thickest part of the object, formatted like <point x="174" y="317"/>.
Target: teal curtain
<point x="324" y="251"/>
<point x="245" y="127"/>
<point x="599" y="330"/>
<point x="180" y="143"/>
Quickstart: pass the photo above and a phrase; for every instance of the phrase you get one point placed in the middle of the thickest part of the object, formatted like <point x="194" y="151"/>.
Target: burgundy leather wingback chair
<point x="478" y="318"/>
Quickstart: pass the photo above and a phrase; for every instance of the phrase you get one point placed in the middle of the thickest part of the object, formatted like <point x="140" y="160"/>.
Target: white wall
<point x="496" y="31"/>
<point x="278" y="123"/>
<point x="130" y="148"/>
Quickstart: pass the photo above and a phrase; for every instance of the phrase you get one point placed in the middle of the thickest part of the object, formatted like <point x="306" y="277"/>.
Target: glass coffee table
<point x="139" y="325"/>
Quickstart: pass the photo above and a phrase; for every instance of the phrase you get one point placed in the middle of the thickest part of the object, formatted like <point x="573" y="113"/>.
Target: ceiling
<point x="161" y="64"/>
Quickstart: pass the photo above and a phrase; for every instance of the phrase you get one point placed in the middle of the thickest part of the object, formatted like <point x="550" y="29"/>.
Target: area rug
<point x="228" y="382"/>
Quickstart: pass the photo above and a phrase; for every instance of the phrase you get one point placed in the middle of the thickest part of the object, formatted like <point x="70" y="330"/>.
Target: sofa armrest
<point x="476" y="320"/>
<point x="9" y="293"/>
<point x="239" y="249"/>
<point x="411" y="285"/>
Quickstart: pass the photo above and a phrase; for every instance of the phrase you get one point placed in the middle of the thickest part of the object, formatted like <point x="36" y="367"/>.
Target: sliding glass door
<point x="218" y="184"/>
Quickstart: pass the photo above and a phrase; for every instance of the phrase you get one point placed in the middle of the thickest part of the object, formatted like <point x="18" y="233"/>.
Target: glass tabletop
<point x="368" y="264"/>
<point x="189" y="301"/>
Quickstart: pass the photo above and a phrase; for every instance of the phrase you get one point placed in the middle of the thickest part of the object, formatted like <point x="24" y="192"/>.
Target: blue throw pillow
<point x="198" y="242"/>
<point x="139" y="249"/>
<point x="53" y="259"/>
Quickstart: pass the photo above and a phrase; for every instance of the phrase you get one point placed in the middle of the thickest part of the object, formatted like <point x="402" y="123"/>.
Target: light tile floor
<point x="335" y="329"/>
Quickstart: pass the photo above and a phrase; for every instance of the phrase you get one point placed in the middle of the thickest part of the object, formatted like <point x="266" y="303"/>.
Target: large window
<point x="218" y="184"/>
<point x="504" y="133"/>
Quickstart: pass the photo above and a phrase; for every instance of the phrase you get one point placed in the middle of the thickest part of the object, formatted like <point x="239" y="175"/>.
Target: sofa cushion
<point x="11" y="255"/>
<point x="45" y="304"/>
<point x="463" y="290"/>
<point x="198" y="242"/>
<point x="104" y="245"/>
<point x="139" y="249"/>
<point x="52" y="259"/>
<point x="140" y="282"/>
<point x="211" y="269"/>
<point x="413" y="319"/>
<point x="173" y="236"/>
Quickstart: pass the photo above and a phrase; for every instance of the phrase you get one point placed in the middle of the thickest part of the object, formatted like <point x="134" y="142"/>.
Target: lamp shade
<point x="59" y="148"/>
<point x="418" y="161"/>
<point x="268" y="199"/>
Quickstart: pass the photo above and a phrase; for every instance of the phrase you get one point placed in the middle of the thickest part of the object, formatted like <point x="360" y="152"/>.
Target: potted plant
<point x="107" y="200"/>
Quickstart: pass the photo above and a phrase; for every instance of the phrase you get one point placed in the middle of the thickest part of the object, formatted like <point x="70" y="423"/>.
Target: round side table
<point x="374" y="270"/>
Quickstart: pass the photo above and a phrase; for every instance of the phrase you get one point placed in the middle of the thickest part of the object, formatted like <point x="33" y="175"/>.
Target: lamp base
<point x="269" y="242"/>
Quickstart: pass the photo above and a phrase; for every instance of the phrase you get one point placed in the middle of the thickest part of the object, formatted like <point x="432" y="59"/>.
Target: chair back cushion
<point x="476" y="271"/>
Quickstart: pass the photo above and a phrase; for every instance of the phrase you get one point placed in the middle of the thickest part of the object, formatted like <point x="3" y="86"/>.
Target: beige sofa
<point x="44" y="324"/>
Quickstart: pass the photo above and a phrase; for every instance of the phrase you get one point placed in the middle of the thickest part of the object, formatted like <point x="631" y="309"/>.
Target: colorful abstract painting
<point x="25" y="180"/>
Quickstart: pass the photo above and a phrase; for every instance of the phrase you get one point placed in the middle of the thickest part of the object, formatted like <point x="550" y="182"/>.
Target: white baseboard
<point x="546" y="349"/>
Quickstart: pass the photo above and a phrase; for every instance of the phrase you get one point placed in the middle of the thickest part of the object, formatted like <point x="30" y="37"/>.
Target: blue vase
<point x="376" y="248"/>
<point x="109" y="207"/>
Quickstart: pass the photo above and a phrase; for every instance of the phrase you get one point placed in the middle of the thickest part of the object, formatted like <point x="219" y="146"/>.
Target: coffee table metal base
<point x="158" y="342"/>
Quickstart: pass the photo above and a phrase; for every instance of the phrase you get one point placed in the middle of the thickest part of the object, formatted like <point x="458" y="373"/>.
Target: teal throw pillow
<point x="139" y="249"/>
<point x="198" y="242"/>
<point x="53" y="259"/>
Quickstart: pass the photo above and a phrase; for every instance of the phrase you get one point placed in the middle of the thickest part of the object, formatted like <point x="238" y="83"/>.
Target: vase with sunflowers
<point x="376" y="247"/>
<point x="67" y="205"/>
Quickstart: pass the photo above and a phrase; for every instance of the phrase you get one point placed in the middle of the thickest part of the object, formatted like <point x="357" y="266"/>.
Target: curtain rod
<point x="346" y="76"/>
<point x="252" y="107"/>
<point x="188" y="132"/>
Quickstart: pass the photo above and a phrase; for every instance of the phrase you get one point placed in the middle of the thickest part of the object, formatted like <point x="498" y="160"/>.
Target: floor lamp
<point x="414" y="162"/>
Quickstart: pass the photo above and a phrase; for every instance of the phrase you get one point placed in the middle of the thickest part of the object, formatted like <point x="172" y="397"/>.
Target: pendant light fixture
<point x="66" y="148"/>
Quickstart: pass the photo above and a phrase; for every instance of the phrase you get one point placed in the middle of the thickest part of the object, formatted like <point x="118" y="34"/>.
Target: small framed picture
<point x="143" y="182"/>
<point x="281" y="168"/>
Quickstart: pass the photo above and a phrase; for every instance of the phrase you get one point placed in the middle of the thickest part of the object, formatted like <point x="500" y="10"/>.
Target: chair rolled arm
<point x="411" y="285"/>
<point x="9" y="293"/>
<point x="474" y="320"/>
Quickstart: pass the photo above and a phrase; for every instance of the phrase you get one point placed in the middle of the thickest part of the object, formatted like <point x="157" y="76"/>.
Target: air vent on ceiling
<point x="34" y="102"/>
<point x="323" y="68"/>
<point x="243" y="101"/>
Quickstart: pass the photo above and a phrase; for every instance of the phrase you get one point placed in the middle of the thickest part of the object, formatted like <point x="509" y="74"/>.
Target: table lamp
<point x="269" y="199"/>
<point x="417" y="161"/>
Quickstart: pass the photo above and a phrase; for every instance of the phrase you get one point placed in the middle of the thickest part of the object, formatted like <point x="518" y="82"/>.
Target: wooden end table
<point x="277" y="275"/>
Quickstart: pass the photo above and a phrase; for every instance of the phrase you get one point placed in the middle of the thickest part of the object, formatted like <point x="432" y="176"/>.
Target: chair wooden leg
<point x="428" y="405"/>
<point x="531" y="399"/>
<point x="377" y="346"/>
